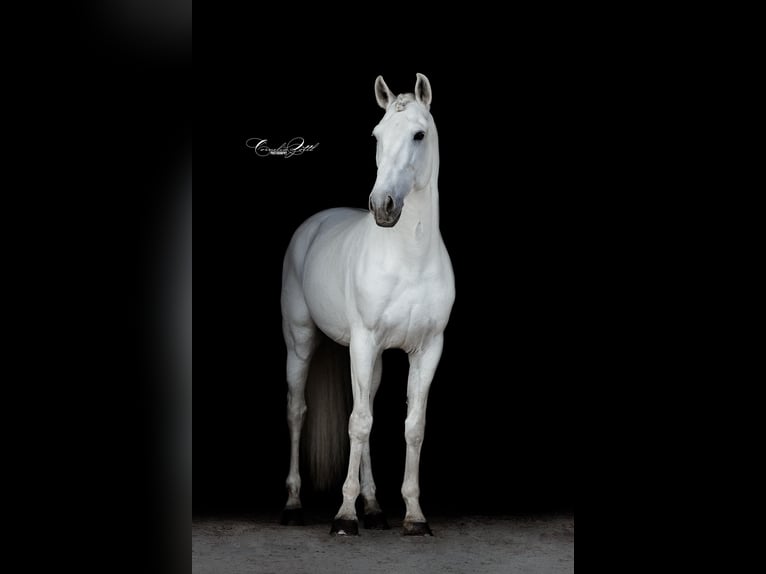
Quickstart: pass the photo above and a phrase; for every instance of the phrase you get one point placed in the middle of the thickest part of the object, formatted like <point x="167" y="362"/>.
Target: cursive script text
<point x="296" y="146"/>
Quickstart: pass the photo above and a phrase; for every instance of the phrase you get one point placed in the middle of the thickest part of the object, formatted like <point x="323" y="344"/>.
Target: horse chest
<point x="403" y="310"/>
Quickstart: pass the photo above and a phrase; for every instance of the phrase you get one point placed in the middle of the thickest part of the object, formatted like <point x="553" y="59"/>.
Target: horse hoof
<point x="292" y="517"/>
<point x="376" y="521"/>
<point x="417" y="529"/>
<point x="343" y="527"/>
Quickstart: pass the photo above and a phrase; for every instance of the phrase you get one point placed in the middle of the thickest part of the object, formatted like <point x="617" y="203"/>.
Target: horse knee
<point x="359" y="426"/>
<point x="413" y="432"/>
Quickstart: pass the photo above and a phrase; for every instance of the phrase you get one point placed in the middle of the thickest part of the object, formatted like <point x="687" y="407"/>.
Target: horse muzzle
<point x="385" y="209"/>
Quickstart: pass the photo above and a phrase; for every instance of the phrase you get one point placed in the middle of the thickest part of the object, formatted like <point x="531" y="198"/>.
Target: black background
<point x="531" y="127"/>
<point x="519" y="216"/>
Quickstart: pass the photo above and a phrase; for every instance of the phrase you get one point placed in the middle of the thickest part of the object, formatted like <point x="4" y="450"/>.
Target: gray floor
<point x="465" y="544"/>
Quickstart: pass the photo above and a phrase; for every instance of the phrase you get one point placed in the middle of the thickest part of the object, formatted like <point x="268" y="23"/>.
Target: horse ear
<point x="382" y="93"/>
<point x="423" y="91"/>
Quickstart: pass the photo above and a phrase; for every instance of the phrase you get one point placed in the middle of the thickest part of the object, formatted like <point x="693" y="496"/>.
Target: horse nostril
<point x="389" y="204"/>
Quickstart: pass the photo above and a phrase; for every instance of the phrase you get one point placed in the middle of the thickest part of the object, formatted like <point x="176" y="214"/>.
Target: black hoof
<point x="417" y="529"/>
<point x="343" y="527"/>
<point x="376" y="521"/>
<point x="292" y="517"/>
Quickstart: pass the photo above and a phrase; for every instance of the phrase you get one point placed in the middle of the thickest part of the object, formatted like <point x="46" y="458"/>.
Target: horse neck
<point x="417" y="234"/>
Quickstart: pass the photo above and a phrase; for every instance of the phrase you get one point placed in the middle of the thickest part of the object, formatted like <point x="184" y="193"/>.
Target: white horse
<point x="372" y="280"/>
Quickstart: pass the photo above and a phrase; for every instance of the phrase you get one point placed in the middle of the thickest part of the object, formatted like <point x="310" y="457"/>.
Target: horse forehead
<point x="398" y="121"/>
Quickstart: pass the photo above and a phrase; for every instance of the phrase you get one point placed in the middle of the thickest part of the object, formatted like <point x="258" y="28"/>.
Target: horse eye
<point x="419" y="136"/>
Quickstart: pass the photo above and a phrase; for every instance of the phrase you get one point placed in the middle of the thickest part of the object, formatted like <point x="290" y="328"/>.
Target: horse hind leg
<point x="301" y="342"/>
<point x="373" y="515"/>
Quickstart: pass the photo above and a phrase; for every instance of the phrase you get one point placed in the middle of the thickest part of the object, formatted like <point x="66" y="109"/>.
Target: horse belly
<point x="329" y="318"/>
<point x="324" y="290"/>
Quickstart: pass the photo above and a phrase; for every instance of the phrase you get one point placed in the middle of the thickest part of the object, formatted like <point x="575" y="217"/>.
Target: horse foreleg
<point x="423" y="364"/>
<point x="363" y="357"/>
<point x="373" y="515"/>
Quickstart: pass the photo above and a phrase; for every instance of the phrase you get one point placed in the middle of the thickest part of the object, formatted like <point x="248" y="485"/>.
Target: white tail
<point x="328" y="398"/>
